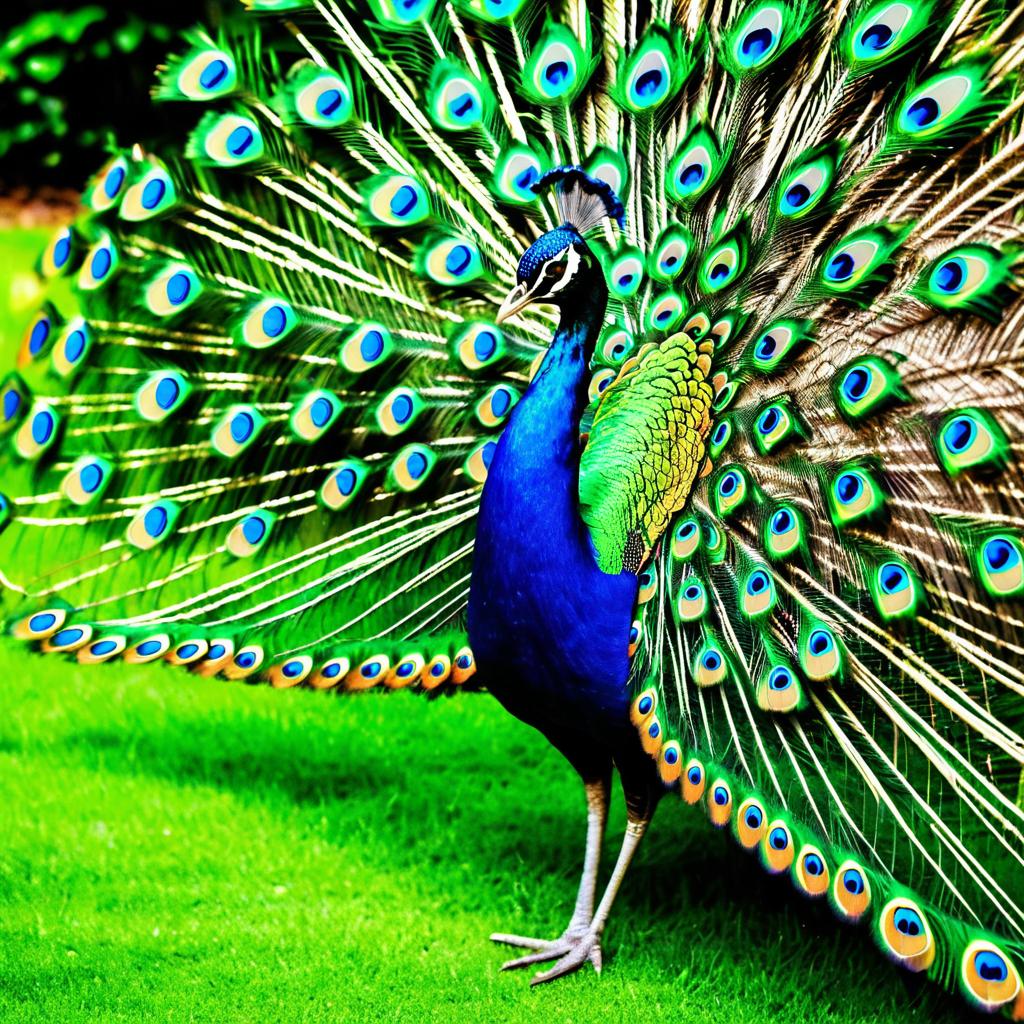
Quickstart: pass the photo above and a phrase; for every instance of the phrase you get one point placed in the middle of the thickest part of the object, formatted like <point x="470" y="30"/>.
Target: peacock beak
<point x="517" y="299"/>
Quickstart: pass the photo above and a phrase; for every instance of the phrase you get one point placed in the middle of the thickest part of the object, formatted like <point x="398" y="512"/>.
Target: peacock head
<point x="560" y="268"/>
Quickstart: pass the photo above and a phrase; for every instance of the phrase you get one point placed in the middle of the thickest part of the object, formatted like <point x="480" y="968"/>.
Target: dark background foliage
<point x="75" y="78"/>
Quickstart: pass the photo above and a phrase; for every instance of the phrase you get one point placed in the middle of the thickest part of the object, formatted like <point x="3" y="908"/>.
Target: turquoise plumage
<point x="743" y="521"/>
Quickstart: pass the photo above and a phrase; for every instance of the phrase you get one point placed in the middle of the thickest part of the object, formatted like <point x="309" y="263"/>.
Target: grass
<point x="177" y="849"/>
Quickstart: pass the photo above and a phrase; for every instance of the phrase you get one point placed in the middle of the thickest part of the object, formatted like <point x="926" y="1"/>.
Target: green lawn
<point x="178" y="849"/>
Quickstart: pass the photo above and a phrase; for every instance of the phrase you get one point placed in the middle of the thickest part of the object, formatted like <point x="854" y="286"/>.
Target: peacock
<point x="655" y="366"/>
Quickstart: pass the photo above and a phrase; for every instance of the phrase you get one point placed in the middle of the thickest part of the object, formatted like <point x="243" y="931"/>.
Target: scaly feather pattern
<point x="257" y="445"/>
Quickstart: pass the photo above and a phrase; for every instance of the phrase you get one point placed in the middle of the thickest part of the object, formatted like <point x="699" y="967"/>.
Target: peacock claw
<point x="571" y="950"/>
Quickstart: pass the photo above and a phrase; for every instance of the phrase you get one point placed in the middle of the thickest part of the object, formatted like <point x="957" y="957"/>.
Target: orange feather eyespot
<point x="906" y="935"/>
<point x="777" y="847"/>
<point x="635" y="636"/>
<point x="851" y="891"/>
<point x="810" y="872"/>
<point x="68" y="638"/>
<point x="368" y="673"/>
<point x="188" y="652"/>
<point x="41" y="625"/>
<point x="694" y="781"/>
<point x="437" y="672"/>
<point x="750" y="823"/>
<point x="148" y="649"/>
<point x="651" y="736"/>
<point x="102" y="649"/>
<point x="463" y="666"/>
<point x="246" y="661"/>
<point x="719" y="800"/>
<point x="291" y="672"/>
<point x="643" y="706"/>
<point x="330" y="673"/>
<point x="406" y="672"/>
<point x="670" y="763"/>
<point x="219" y="652"/>
<point x="987" y="976"/>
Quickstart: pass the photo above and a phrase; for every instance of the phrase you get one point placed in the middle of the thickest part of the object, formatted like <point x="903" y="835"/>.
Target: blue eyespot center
<point x="999" y="554"/>
<point x="840" y="267"/>
<point x="556" y="72"/>
<point x="320" y="412"/>
<point x="853" y="882"/>
<point x="694" y="776"/>
<point x="274" y="321"/>
<point x="291" y="669"/>
<point x="155" y="521"/>
<point x="153" y="193"/>
<point x="40" y="332"/>
<point x="167" y="392"/>
<point x="728" y="485"/>
<point x="671" y="755"/>
<point x="908" y="922"/>
<point x="253" y="529"/>
<point x="186" y="651"/>
<point x="42" y="427"/>
<point x="371" y="346"/>
<point x="328" y="102"/>
<point x="780" y="679"/>
<point x="757" y="583"/>
<point x="769" y="420"/>
<point x="101" y="263"/>
<point x="213" y="74"/>
<point x="458" y="259"/>
<point x="923" y="112"/>
<point x="178" y="288"/>
<point x="950" y="275"/>
<point x="813" y="865"/>
<point x="240" y="139"/>
<point x="755" y="44"/>
<point x="330" y="671"/>
<point x="90" y="477"/>
<point x="753" y="817"/>
<point x="692" y="176"/>
<point x="855" y="383"/>
<point x="416" y="465"/>
<point x="893" y="577"/>
<point x="819" y="642"/>
<point x="645" y="704"/>
<point x="245" y="659"/>
<point x="241" y="427"/>
<point x="113" y="182"/>
<point x="766" y="347"/>
<point x="876" y="37"/>
<point x="102" y="647"/>
<point x="849" y="487"/>
<point x="990" y="966"/>
<point x="148" y="647"/>
<point x="720" y="796"/>
<point x="797" y="196"/>
<point x="484" y="345"/>
<point x="778" y="839"/>
<point x="649" y="83"/>
<point x="959" y="434"/>
<point x="712" y="661"/>
<point x="403" y="201"/>
<point x="44" y="620"/>
<point x="401" y="408"/>
<point x="782" y="521"/>
<point x="74" y="346"/>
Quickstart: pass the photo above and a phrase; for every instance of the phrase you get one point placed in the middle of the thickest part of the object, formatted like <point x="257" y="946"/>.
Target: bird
<point x="654" y="367"/>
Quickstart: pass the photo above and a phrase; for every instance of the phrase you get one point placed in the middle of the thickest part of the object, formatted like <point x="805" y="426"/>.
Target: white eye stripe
<point x="572" y="265"/>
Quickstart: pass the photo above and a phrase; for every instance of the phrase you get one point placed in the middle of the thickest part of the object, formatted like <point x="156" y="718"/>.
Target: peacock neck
<point x="547" y="420"/>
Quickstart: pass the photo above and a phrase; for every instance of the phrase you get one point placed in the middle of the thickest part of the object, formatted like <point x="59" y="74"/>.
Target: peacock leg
<point x="588" y="946"/>
<point x="549" y="949"/>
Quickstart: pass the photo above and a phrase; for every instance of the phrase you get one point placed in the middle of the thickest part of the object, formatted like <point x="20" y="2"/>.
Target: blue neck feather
<point x="547" y="626"/>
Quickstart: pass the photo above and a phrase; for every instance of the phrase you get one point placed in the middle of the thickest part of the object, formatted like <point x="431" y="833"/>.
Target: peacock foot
<point x="571" y="951"/>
